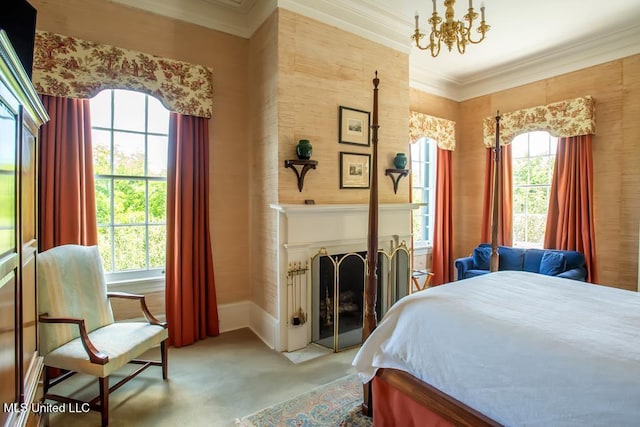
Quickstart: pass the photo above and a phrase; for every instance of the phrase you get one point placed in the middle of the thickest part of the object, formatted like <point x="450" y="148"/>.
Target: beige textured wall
<point x="301" y="72"/>
<point x="436" y="106"/>
<point x="263" y="83"/>
<point x="615" y="87"/>
<point x="110" y="23"/>
<point x="321" y="68"/>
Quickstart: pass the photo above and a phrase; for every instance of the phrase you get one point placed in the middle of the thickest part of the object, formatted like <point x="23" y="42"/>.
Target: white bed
<point x="521" y="348"/>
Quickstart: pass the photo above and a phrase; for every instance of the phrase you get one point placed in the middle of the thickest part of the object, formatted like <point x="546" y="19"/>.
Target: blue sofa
<point x="552" y="262"/>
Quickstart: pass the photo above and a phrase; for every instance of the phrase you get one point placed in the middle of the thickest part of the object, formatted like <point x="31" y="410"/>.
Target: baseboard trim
<point x="247" y="314"/>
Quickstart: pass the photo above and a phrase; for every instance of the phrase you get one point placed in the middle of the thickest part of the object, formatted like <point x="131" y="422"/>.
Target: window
<point x="533" y="157"/>
<point x="423" y="169"/>
<point x="130" y="142"/>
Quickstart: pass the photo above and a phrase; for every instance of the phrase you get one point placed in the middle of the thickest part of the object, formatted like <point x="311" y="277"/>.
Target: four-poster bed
<point x="508" y="348"/>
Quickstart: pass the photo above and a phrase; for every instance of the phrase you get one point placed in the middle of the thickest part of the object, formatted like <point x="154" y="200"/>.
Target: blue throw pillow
<point x="481" y="258"/>
<point x="552" y="263"/>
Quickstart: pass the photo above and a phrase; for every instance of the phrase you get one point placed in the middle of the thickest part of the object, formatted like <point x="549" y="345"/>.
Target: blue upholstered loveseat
<point x="552" y="262"/>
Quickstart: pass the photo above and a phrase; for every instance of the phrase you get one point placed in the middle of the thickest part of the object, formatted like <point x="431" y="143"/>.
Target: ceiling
<point x="528" y="41"/>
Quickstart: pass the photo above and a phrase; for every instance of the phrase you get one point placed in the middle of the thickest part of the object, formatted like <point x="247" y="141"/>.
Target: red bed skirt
<point x="393" y="408"/>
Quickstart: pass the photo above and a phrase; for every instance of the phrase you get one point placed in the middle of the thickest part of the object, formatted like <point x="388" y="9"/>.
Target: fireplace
<point x="338" y="299"/>
<point x="311" y="240"/>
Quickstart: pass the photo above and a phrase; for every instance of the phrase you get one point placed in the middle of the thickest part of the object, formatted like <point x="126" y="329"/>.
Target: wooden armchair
<point x="78" y="332"/>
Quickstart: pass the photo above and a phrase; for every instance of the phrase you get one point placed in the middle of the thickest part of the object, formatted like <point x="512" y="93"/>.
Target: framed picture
<point x="354" y="126"/>
<point x="354" y="170"/>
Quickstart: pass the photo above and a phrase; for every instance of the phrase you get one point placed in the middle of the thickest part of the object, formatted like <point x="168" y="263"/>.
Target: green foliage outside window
<point x="532" y="168"/>
<point x="130" y="183"/>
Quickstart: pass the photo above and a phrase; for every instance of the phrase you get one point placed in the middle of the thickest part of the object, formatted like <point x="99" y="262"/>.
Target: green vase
<point x="400" y="161"/>
<point x="304" y="149"/>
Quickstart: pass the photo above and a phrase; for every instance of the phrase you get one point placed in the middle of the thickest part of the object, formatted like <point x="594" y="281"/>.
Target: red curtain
<point x="570" y="216"/>
<point x="505" y="224"/>
<point x="66" y="197"/>
<point x="443" y="218"/>
<point x="191" y="306"/>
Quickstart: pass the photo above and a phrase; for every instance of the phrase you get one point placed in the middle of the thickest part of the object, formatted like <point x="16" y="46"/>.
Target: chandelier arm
<point x="432" y="45"/>
<point x="482" y="29"/>
<point x="462" y="43"/>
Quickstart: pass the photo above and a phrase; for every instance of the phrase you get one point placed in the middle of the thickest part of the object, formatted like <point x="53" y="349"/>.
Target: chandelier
<point x="450" y="32"/>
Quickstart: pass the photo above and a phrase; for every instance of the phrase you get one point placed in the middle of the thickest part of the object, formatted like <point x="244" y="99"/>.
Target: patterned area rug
<point x="334" y="404"/>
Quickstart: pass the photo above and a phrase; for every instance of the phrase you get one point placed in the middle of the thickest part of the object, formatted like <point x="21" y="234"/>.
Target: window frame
<point x="426" y="208"/>
<point x="140" y="275"/>
<point x="550" y="154"/>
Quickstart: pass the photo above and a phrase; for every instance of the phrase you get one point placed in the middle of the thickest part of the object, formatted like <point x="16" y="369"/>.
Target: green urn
<point x="304" y="149"/>
<point x="400" y="161"/>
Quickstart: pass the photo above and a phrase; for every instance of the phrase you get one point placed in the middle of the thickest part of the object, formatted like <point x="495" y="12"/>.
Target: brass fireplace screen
<point x="337" y="293"/>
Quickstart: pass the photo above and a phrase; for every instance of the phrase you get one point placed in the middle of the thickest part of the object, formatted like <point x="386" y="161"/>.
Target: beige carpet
<point x="211" y="383"/>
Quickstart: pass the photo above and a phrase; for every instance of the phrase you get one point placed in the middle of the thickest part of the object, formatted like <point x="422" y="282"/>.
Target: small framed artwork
<point x="354" y="126"/>
<point x="354" y="170"/>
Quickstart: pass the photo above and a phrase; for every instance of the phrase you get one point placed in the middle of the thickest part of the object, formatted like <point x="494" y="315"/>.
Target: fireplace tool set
<point x="296" y="282"/>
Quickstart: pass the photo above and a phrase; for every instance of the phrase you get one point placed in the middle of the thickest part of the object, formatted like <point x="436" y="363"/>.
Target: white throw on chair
<point x="78" y="332"/>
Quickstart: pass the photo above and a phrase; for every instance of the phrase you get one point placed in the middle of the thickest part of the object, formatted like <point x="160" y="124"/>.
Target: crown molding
<point x="217" y="15"/>
<point x="616" y="45"/>
<point x="358" y="17"/>
<point x="587" y="53"/>
<point x="243" y="17"/>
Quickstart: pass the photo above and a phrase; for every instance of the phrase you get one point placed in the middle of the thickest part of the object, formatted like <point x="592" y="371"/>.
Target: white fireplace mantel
<point x="302" y="230"/>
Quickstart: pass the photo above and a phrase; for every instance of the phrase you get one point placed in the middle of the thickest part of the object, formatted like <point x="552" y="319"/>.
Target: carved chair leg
<point x="104" y="400"/>
<point x="164" y="354"/>
<point x="45" y="381"/>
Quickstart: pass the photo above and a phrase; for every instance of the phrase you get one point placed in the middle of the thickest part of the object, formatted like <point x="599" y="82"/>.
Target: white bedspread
<point x="522" y="348"/>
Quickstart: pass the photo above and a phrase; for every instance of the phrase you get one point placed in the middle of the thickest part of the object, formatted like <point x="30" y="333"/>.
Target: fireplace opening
<point x="338" y="299"/>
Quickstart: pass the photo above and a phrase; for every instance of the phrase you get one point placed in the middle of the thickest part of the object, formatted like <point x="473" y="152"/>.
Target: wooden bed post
<point x="495" y="207"/>
<point x="369" y="321"/>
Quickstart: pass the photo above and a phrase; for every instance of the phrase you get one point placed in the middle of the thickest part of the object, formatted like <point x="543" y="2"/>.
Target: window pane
<point x="520" y="172"/>
<point x="531" y="187"/>
<point x="101" y="109"/>
<point x="157" y="201"/>
<point x="539" y="170"/>
<point x="104" y="245"/>
<point x="417" y="226"/>
<point x="417" y="196"/>
<point x="538" y="143"/>
<point x="129" y="201"/>
<point x="120" y="157"/>
<point x="535" y="228"/>
<point x="158" y="147"/>
<point x="519" y="147"/>
<point x="519" y="200"/>
<point x="158" y="117"/>
<point x="538" y="202"/>
<point x="128" y="110"/>
<point x="128" y="154"/>
<point x="519" y="228"/>
<point x="103" y="201"/>
<point x="101" y="141"/>
<point x="130" y="247"/>
<point x="157" y="245"/>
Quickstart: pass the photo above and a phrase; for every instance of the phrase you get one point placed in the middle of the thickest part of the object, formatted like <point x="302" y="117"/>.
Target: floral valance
<point x="562" y="119"/>
<point x="443" y="131"/>
<point x="73" y="68"/>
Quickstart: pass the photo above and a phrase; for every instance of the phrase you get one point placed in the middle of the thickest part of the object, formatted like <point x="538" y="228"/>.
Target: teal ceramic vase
<point x="400" y="161"/>
<point x="304" y="149"/>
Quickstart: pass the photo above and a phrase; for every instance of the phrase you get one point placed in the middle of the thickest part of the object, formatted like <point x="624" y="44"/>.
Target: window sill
<point x="421" y="249"/>
<point x="138" y="286"/>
